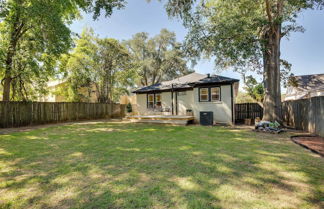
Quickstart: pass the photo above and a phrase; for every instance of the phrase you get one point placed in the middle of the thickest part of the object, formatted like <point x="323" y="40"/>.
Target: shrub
<point x="129" y="108"/>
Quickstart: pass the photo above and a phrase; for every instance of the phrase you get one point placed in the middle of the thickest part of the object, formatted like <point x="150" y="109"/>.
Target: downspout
<point x="176" y="102"/>
<point x="172" y="99"/>
<point x="232" y="104"/>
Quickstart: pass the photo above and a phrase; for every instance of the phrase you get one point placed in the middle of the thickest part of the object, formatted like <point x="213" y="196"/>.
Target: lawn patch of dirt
<point x="314" y="143"/>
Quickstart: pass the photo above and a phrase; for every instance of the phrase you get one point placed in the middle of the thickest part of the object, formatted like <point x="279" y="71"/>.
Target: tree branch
<point x="268" y="11"/>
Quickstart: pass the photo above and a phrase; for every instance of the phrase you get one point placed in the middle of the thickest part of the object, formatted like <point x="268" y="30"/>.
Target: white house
<point x="190" y="94"/>
<point x="305" y="87"/>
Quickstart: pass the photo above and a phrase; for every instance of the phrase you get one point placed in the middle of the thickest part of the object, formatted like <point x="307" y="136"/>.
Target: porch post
<point x="172" y="99"/>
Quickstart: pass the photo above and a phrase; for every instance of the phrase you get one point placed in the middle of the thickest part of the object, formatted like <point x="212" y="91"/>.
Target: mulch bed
<point x="313" y="143"/>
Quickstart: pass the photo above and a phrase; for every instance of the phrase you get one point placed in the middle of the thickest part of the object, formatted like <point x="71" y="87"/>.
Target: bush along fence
<point x="305" y="114"/>
<point x="16" y="114"/>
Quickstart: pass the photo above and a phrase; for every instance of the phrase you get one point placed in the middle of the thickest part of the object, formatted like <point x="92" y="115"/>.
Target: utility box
<point x="206" y="118"/>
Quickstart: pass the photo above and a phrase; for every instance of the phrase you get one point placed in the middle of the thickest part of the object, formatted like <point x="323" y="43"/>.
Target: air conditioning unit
<point x="206" y="118"/>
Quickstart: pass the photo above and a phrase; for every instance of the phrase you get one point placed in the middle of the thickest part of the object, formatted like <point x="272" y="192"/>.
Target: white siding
<point x="166" y="100"/>
<point x="185" y="102"/>
<point x="222" y="109"/>
<point x="294" y="93"/>
<point x="142" y="103"/>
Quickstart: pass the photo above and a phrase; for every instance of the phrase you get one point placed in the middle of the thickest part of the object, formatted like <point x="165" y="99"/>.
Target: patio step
<point x="162" y="119"/>
<point x="173" y="122"/>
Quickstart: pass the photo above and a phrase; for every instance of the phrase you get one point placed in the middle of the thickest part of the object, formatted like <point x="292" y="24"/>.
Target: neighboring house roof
<point x="185" y="82"/>
<point x="305" y="86"/>
<point x="310" y="82"/>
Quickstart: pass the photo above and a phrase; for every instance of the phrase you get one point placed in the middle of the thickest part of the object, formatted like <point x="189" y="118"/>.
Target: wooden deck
<point x="164" y="119"/>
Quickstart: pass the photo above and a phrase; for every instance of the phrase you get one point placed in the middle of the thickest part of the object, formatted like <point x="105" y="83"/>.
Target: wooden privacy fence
<point x="16" y="114"/>
<point x="305" y="114"/>
<point x="248" y="111"/>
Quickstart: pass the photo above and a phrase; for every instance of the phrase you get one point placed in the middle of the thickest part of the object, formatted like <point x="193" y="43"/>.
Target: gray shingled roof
<point x="190" y="78"/>
<point x="309" y="82"/>
<point x="216" y="79"/>
<point x="187" y="81"/>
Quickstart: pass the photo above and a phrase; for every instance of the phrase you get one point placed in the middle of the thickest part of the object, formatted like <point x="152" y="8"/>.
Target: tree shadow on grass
<point x="113" y="165"/>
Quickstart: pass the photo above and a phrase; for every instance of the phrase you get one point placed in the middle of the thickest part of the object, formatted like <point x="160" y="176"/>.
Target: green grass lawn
<point x="121" y="165"/>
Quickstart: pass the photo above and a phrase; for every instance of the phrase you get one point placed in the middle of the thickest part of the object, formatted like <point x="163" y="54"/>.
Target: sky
<point x="305" y="51"/>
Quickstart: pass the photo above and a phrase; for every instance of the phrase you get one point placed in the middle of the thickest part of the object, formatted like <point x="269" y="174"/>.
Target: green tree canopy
<point x="100" y="65"/>
<point x="159" y="58"/>
<point x="254" y="89"/>
<point x="243" y="97"/>
<point x="34" y="33"/>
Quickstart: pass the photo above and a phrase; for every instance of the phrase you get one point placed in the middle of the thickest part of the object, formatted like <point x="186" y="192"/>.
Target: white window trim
<point x="203" y="94"/>
<point x="210" y="95"/>
<point x="219" y="94"/>
<point x="148" y="101"/>
<point x="154" y="100"/>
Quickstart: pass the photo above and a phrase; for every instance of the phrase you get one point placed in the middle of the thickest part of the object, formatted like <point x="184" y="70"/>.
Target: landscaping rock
<point x="268" y="127"/>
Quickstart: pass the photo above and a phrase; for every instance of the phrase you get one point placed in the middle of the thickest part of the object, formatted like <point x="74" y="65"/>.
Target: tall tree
<point x="243" y="34"/>
<point x="254" y="89"/>
<point x="42" y="26"/>
<point x="102" y="65"/>
<point x="159" y="58"/>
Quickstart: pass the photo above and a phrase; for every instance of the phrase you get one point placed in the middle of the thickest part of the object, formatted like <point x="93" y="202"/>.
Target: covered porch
<point x="162" y="119"/>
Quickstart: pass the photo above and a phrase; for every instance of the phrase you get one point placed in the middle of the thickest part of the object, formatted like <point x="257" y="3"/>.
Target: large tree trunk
<point x="271" y="75"/>
<point x="105" y="90"/>
<point x="7" y="78"/>
<point x="6" y="89"/>
<point x="17" y="30"/>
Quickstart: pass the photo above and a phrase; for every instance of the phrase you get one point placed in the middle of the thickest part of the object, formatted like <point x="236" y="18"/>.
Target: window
<point x="150" y="101"/>
<point x="158" y="102"/>
<point x="209" y="94"/>
<point x="203" y="95"/>
<point x="215" y="94"/>
<point x="154" y="101"/>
